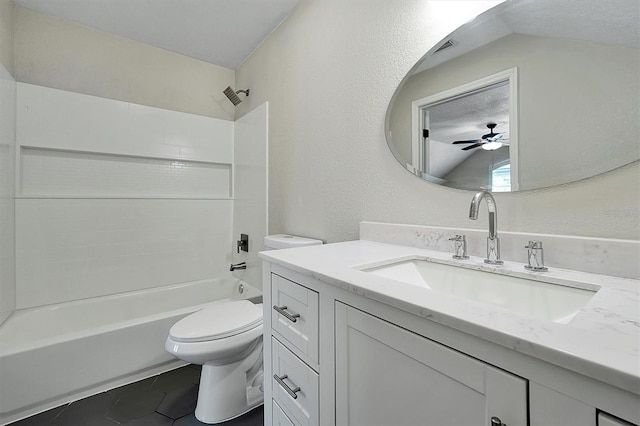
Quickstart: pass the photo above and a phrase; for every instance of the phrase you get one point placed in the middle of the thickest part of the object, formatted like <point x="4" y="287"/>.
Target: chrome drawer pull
<point x="287" y="315"/>
<point x="290" y="391"/>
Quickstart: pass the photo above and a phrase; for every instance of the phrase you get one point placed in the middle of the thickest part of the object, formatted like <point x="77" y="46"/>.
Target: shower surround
<point x="114" y="200"/>
<point x="113" y="196"/>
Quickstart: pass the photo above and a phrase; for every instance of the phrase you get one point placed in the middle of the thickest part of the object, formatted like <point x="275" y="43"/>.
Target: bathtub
<point x="55" y="354"/>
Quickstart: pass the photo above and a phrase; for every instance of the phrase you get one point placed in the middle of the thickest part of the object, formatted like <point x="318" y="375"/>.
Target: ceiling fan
<point x="491" y="141"/>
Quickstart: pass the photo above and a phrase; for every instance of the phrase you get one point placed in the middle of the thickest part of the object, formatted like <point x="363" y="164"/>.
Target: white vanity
<point x="345" y="344"/>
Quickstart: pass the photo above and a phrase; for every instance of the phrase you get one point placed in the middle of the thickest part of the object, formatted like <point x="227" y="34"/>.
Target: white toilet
<point x="226" y="339"/>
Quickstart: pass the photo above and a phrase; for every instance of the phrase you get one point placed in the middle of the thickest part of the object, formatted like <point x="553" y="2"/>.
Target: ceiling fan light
<point x="492" y="146"/>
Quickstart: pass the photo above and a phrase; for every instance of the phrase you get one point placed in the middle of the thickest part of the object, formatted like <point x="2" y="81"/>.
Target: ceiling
<point x="221" y="32"/>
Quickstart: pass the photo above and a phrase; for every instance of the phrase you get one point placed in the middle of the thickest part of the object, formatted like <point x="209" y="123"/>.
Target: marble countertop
<point x="602" y="341"/>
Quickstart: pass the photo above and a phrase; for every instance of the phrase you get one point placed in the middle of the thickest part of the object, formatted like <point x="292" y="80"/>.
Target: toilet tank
<point x="282" y="241"/>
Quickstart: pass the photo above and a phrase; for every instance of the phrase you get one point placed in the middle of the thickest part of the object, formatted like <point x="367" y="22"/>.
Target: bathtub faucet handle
<point x="235" y="266"/>
<point x="243" y="243"/>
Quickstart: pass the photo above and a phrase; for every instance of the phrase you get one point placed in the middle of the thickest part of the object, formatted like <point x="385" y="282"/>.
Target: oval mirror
<point x="530" y="94"/>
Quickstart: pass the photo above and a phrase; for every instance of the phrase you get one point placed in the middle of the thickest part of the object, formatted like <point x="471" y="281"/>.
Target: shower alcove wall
<point x="113" y="196"/>
<point x="120" y="207"/>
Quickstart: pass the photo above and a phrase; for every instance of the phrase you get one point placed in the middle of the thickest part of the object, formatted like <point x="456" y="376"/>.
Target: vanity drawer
<point x="294" y="315"/>
<point x="279" y="418"/>
<point x="295" y="386"/>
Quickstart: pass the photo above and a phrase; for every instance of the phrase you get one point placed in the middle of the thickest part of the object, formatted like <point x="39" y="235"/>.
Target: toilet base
<point x="231" y="418"/>
<point x="231" y="390"/>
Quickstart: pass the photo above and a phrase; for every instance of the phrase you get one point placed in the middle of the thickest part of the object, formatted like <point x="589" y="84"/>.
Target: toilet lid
<point x="217" y="322"/>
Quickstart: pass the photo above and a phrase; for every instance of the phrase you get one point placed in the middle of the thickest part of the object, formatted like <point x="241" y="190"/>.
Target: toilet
<point x="226" y="339"/>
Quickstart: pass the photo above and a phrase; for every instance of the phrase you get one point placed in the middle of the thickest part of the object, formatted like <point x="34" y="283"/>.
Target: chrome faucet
<point x="493" y="242"/>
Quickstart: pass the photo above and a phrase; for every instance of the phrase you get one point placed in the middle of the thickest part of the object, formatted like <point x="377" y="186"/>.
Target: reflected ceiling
<point x="613" y="22"/>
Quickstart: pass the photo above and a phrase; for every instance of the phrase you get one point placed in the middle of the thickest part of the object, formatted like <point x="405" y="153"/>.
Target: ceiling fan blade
<point x="492" y="135"/>
<point x="469" y="141"/>
<point x="475" y="145"/>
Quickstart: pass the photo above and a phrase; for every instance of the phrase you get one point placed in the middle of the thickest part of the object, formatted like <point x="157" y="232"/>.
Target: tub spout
<point x="236" y="266"/>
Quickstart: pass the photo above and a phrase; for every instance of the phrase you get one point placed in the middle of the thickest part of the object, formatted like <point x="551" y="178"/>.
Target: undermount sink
<point x="538" y="299"/>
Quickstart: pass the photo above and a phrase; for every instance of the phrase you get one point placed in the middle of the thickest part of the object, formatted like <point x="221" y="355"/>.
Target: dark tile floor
<point x="164" y="400"/>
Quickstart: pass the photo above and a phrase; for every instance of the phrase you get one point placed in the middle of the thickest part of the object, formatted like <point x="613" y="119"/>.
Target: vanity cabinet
<point x="549" y="407"/>
<point x="387" y="375"/>
<point x="293" y="352"/>
<point x="334" y="356"/>
<point x="279" y="418"/>
<point x="605" y="419"/>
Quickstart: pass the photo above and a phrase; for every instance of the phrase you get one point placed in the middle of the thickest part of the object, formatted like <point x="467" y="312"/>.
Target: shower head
<point x="233" y="97"/>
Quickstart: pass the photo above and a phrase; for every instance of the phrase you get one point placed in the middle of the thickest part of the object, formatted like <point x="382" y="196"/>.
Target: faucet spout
<point x="493" y="211"/>
<point x="493" y="242"/>
<point x="236" y="266"/>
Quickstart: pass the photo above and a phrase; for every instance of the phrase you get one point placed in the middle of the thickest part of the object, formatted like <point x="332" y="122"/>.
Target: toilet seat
<point x="219" y="321"/>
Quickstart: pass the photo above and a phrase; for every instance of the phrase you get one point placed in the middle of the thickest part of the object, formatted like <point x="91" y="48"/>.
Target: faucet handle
<point x="535" y="257"/>
<point x="243" y="243"/>
<point x="460" y="247"/>
<point x="534" y="245"/>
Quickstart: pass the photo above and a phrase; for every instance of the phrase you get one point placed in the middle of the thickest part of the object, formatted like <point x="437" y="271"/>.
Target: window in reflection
<point x="501" y="178"/>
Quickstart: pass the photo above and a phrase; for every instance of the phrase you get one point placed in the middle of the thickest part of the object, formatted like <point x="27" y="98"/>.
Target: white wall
<point x="114" y="196"/>
<point x="7" y="160"/>
<point x="329" y="72"/>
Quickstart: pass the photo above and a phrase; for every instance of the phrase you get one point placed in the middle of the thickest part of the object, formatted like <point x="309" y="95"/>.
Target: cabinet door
<point x="549" y="407"/>
<point x="386" y="375"/>
<point x="605" y="419"/>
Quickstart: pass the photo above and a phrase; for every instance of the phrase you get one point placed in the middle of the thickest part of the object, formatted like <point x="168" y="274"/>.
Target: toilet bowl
<point x="226" y="339"/>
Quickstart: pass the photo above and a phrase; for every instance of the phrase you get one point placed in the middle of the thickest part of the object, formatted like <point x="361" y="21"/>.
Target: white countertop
<point x="602" y="341"/>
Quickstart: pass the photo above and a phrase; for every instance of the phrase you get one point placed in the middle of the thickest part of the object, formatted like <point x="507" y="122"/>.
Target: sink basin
<point x="538" y="299"/>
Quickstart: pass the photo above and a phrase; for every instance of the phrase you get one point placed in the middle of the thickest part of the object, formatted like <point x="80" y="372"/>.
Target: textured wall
<point x="60" y="54"/>
<point x="6" y="34"/>
<point x="328" y="73"/>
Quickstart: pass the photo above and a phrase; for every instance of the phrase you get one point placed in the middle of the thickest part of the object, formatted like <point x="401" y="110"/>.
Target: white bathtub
<point x="56" y="354"/>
